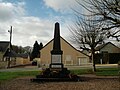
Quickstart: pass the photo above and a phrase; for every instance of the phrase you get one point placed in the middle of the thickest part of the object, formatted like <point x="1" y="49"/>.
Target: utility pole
<point x="10" y="31"/>
<point x="10" y="36"/>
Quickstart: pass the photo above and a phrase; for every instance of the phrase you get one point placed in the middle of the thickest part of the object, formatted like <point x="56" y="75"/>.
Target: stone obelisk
<point x="56" y="71"/>
<point x="56" y="53"/>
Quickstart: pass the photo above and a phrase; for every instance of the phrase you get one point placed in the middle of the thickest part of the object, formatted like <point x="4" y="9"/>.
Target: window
<point x="68" y="60"/>
<point x="82" y="60"/>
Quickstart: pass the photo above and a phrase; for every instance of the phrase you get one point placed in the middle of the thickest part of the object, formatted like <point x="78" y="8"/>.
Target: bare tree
<point x="106" y="11"/>
<point x="88" y="35"/>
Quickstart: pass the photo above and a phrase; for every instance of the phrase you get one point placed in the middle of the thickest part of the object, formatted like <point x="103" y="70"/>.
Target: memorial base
<point x="55" y="74"/>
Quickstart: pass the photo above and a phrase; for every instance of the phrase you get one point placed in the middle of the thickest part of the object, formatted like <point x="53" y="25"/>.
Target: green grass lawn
<point x="10" y="75"/>
<point x="4" y="76"/>
<point x="99" y="72"/>
<point x="108" y="72"/>
<point x="81" y="71"/>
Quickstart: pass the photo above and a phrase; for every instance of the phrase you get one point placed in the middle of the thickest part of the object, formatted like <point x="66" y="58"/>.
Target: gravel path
<point x="88" y="83"/>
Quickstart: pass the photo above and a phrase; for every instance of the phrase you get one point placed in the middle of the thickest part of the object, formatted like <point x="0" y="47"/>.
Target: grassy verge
<point x="81" y="71"/>
<point x="4" y="76"/>
<point x="99" y="72"/>
<point x="107" y="72"/>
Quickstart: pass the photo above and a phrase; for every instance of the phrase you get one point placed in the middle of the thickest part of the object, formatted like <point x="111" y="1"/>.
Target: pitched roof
<point x="103" y="45"/>
<point x="10" y="54"/>
<point x="4" y="45"/>
<point x="14" y="54"/>
<point x="23" y="55"/>
<point x="67" y="43"/>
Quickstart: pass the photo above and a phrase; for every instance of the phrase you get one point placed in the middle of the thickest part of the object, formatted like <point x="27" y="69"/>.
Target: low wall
<point x="3" y="64"/>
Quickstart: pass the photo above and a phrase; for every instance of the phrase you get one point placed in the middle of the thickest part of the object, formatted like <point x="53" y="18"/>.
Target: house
<point x="71" y="56"/>
<point x="15" y="59"/>
<point x="23" y="59"/>
<point x="108" y="53"/>
<point x="4" y="46"/>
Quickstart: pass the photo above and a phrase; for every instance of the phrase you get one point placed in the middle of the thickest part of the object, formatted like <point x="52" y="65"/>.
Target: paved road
<point x="35" y="68"/>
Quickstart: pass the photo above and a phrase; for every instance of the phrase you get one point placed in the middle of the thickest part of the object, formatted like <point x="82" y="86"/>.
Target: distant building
<point x="15" y="59"/>
<point x="108" y="53"/>
<point x="71" y="56"/>
<point x="4" y="46"/>
<point x="23" y="59"/>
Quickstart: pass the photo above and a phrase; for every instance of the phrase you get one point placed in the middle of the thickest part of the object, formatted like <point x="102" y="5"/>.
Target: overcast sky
<point x="34" y="20"/>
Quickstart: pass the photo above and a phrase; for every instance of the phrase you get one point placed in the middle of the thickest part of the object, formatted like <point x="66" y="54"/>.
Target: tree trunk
<point x="94" y="65"/>
<point x="93" y="60"/>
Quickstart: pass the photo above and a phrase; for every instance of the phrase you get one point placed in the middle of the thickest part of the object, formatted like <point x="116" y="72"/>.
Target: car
<point x="34" y="63"/>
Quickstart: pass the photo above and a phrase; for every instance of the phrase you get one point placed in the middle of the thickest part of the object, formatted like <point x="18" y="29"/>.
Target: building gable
<point x="70" y="47"/>
<point x="110" y="48"/>
<point x="4" y="45"/>
<point x="67" y="45"/>
<point x="69" y="52"/>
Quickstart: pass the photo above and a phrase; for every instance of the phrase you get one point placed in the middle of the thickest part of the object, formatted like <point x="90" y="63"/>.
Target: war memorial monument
<point x="56" y="70"/>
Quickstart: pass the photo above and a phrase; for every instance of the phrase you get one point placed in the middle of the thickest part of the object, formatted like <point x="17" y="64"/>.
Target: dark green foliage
<point x="41" y="46"/>
<point x="36" y="50"/>
<point x="18" y="49"/>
